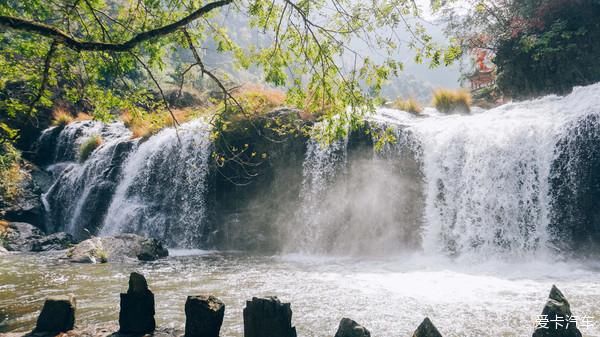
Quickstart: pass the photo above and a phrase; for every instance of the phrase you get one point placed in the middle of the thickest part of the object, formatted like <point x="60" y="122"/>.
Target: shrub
<point x="409" y="105"/>
<point x="10" y="172"/>
<point x="88" y="146"/>
<point x="448" y="101"/>
<point x="61" y="117"/>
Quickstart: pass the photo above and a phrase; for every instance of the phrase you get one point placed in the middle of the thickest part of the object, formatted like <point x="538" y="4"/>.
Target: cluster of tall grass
<point x="62" y="117"/>
<point x="450" y="101"/>
<point x="144" y="124"/>
<point x="409" y="105"/>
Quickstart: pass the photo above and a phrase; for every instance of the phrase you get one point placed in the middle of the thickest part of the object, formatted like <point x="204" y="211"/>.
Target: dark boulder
<point x="268" y="317"/>
<point x="27" y="205"/>
<point x="58" y="315"/>
<point x="56" y="241"/>
<point x="203" y="316"/>
<point x="20" y="236"/>
<point x="427" y="329"/>
<point x="137" y="307"/>
<point x="117" y="248"/>
<point x="349" y="328"/>
<point x="555" y="320"/>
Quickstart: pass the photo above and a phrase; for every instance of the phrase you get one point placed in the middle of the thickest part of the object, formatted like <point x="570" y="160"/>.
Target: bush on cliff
<point x="88" y="146"/>
<point x="409" y="105"/>
<point x="449" y="101"/>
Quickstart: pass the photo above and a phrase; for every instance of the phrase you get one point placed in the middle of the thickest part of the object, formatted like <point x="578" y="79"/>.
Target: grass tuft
<point x="88" y="146"/>
<point x="409" y="105"/>
<point x="61" y="117"/>
<point x="449" y="101"/>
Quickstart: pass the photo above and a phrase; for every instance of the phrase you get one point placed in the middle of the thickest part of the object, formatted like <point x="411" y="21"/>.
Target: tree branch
<point x="76" y="44"/>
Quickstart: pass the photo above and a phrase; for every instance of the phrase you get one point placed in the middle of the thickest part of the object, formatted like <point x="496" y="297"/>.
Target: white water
<point x="162" y="189"/>
<point x="70" y="192"/>
<point x="486" y="178"/>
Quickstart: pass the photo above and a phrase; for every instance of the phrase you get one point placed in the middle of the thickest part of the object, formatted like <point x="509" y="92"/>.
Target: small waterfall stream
<point x="162" y="189"/>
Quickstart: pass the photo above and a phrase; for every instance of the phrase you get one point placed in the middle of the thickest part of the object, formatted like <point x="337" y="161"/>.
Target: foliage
<point x="10" y="172"/>
<point x="449" y="101"/>
<point x="539" y="46"/>
<point x="88" y="146"/>
<point x="409" y="105"/>
<point x="87" y="59"/>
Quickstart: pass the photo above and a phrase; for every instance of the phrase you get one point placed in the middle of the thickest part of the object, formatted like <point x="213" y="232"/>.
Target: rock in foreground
<point x="557" y="308"/>
<point x="137" y="307"/>
<point x="268" y="317"/>
<point x="57" y="315"/>
<point x="427" y="329"/>
<point x="349" y="328"/>
<point x="203" y="316"/>
<point x="117" y="248"/>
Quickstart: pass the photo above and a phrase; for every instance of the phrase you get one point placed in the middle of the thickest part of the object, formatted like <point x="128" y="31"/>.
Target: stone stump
<point x="203" y="316"/>
<point x="427" y="329"/>
<point x="556" y="319"/>
<point x="349" y="328"/>
<point x="137" y="307"/>
<point x="57" y="315"/>
<point x="268" y="317"/>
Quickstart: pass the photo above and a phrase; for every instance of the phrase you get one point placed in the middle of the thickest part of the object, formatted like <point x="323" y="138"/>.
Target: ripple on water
<point x="390" y="296"/>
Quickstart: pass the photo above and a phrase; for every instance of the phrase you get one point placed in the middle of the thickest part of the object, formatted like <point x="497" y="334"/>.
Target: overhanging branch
<point x="77" y="44"/>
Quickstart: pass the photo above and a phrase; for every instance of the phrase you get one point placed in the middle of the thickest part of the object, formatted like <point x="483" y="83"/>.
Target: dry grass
<point x="449" y="101"/>
<point x="88" y="146"/>
<point x="258" y="100"/>
<point x="82" y="116"/>
<point x="61" y="117"/>
<point x="144" y="125"/>
<point x="409" y="105"/>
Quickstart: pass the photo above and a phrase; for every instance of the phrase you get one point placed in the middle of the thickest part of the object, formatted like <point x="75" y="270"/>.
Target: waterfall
<point x="162" y="190"/>
<point x="75" y="200"/>
<point x="488" y="176"/>
<point x="520" y="180"/>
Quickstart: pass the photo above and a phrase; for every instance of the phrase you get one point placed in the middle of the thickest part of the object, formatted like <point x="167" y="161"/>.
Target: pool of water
<point x="390" y="296"/>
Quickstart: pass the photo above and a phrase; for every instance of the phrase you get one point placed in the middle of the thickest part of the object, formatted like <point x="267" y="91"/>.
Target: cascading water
<point x="488" y="175"/>
<point x="162" y="191"/>
<point x="487" y="182"/>
<point x="513" y="181"/>
<point x="78" y="192"/>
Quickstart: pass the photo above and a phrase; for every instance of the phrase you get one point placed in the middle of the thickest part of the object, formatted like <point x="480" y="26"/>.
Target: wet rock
<point x="56" y="241"/>
<point x="88" y="251"/>
<point x="349" y="328"/>
<point x="117" y="248"/>
<point x="203" y="316"/>
<point x="27" y="205"/>
<point x="3" y="251"/>
<point x="58" y="315"/>
<point x="137" y="307"/>
<point x="20" y="236"/>
<point x="268" y="317"/>
<point x="557" y="308"/>
<point x="427" y="329"/>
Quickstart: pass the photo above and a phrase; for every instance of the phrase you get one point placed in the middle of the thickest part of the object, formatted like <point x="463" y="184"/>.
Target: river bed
<point x="390" y="296"/>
